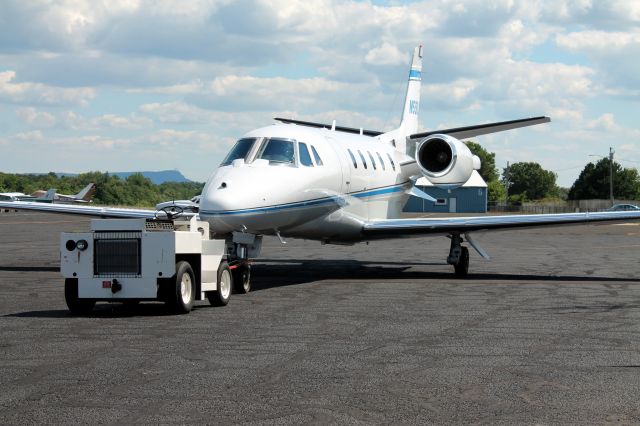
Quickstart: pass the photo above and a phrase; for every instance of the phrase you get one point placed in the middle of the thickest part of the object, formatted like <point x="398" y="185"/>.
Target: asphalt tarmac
<point x="546" y="333"/>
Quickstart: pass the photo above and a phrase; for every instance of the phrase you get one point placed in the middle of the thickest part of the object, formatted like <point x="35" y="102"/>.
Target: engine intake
<point x="445" y="160"/>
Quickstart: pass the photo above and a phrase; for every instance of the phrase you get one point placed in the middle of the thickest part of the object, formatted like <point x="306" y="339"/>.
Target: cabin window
<point x="393" y="165"/>
<point x="381" y="160"/>
<point x="279" y="152"/>
<point x="305" y="157"/>
<point x="317" y="157"/>
<point x="372" y="161"/>
<point x="240" y="150"/>
<point x="355" y="163"/>
<point x="364" y="162"/>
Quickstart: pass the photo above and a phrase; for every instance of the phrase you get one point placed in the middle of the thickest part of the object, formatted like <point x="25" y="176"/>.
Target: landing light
<point x="82" y="245"/>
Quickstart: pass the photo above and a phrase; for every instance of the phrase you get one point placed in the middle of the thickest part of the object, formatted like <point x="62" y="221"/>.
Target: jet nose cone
<point x="219" y="201"/>
<point x="217" y="196"/>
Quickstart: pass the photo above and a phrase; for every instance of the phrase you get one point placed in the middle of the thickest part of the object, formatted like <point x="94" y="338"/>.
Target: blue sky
<point x="150" y="85"/>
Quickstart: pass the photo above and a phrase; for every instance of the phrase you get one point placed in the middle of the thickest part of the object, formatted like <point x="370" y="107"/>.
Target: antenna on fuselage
<point x="333" y="126"/>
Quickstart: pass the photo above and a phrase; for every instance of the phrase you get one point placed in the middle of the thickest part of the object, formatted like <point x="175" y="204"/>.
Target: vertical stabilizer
<point x="409" y="123"/>
<point x="50" y="195"/>
<point x="87" y="193"/>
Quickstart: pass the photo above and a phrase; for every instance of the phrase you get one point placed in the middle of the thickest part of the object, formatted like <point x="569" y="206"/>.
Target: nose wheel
<point x="241" y="277"/>
<point x="458" y="256"/>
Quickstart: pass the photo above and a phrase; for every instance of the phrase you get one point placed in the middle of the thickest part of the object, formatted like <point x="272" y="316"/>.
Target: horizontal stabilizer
<point x="483" y="129"/>
<point x="329" y="126"/>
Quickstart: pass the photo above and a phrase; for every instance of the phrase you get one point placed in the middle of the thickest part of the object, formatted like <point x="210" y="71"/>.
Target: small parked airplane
<point x="51" y="196"/>
<point x="342" y="185"/>
<point x="11" y="196"/>
<point x="35" y="197"/>
<point x="84" y="196"/>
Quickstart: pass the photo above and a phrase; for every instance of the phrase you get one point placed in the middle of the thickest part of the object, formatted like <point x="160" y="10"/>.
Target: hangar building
<point x="468" y="198"/>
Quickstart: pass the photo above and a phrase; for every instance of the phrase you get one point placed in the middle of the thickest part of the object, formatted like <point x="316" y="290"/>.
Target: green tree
<point x="593" y="182"/>
<point x="488" y="169"/>
<point x="528" y="180"/>
<point x="496" y="191"/>
<point x="136" y="190"/>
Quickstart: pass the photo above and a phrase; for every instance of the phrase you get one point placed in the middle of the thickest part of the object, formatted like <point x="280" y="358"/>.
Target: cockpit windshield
<point x="278" y="152"/>
<point x="240" y="150"/>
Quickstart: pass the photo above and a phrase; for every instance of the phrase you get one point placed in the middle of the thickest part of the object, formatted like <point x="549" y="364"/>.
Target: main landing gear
<point x="458" y="256"/>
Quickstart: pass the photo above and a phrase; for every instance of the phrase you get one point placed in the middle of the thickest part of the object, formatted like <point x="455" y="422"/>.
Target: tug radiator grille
<point x="116" y="254"/>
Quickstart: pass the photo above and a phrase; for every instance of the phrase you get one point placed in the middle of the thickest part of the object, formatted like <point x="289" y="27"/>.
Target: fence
<point x="570" y="206"/>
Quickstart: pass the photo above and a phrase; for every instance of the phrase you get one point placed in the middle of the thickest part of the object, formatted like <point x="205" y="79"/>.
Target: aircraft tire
<point x="242" y="279"/>
<point x="182" y="288"/>
<point x="462" y="268"/>
<point x="76" y="306"/>
<point x="220" y="296"/>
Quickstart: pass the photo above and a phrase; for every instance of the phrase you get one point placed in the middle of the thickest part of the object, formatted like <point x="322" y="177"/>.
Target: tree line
<point x="523" y="181"/>
<point x="527" y="181"/>
<point x="135" y="190"/>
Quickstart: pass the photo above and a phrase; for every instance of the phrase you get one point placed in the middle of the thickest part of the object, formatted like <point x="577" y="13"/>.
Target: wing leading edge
<point x="484" y="129"/>
<point x="397" y="228"/>
<point x="105" y="212"/>
<point x="456" y="132"/>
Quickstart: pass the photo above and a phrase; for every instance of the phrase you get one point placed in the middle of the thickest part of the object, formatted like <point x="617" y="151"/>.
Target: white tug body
<point x="131" y="260"/>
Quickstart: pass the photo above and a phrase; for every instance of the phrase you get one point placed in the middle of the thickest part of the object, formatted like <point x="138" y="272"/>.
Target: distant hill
<point x="155" y="177"/>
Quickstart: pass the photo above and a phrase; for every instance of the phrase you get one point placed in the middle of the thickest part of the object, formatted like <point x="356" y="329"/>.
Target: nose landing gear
<point x="240" y="248"/>
<point x="458" y="256"/>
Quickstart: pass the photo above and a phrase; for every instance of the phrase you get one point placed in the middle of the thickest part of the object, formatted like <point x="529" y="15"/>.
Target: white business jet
<point x="340" y="185"/>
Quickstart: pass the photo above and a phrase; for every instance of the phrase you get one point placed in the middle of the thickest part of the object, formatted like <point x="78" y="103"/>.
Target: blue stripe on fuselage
<point x="415" y="75"/>
<point x="309" y="203"/>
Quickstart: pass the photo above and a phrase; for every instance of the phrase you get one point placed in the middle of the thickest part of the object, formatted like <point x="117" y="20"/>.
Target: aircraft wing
<point x="394" y="228"/>
<point x="456" y="132"/>
<point x="328" y="126"/>
<point x="104" y="212"/>
<point x="483" y="129"/>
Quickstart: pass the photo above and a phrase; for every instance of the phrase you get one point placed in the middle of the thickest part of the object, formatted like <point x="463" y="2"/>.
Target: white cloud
<point x="456" y="93"/>
<point x="33" y="135"/>
<point x="598" y="40"/>
<point x="104" y="122"/>
<point x="40" y="94"/>
<point x="604" y="130"/>
<point x="616" y="56"/>
<point x="206" y="71"/>
<point x="35" y="118"/>
<point x="386" y="54"/>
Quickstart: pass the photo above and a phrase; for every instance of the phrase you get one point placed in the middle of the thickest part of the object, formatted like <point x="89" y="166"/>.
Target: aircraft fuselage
<point x="307" y="183"/>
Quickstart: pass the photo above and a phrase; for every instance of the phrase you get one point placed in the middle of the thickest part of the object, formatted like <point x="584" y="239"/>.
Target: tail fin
<point x="50" y="195"/>
<point x="87" y="192"/>
<point x="409" y="123"/>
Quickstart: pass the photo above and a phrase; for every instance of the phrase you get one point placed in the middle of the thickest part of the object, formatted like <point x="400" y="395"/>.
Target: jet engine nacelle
<point x="445" y="160"/>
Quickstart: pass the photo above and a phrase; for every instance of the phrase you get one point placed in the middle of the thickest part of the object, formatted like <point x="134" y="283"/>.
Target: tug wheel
<point x="220" y="296"/>
<point x="76" y="305"/>
<point x="180" y="298"/>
